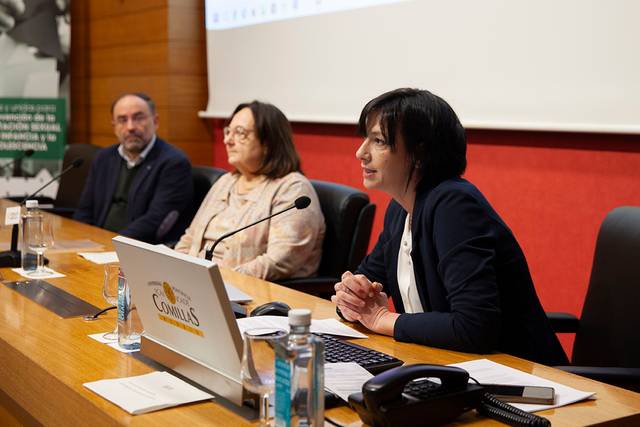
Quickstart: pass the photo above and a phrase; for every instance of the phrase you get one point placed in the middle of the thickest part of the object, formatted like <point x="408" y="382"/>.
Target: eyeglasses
<point x="238" y="134"/>
<point x="137" y="119"/>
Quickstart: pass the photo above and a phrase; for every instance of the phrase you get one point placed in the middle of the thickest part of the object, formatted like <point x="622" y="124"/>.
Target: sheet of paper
<point x="235" y="294"/>
<point x="51" y="274"/>
<point x="345" y="378"/>
<point x="334" y="327"/>
<point x="111" y="343"/>
<point x="100" y="257"/>
<point x="146" y="393"/>
<point x="267" y="322"/>
<point x="324" y="326"/>
<point x="488" y="372"/>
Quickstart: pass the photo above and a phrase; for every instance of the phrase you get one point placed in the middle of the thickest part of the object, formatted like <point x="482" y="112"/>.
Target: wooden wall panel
<point x="105" y="89"/>
<point x="184" y="127"/>
<point x="187" y="58"/>
<point x="141" y="27"/>
<point x="105" y="8"/>
<point x="130" y="60"/>
<point x="78" y="126"/>
<point x="188" y="91"/>
<point x="186" y="22"/>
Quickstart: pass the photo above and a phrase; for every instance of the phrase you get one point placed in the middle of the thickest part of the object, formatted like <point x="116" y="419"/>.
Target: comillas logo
<point x="174" y="307"/>
<point x="169" y="292"/>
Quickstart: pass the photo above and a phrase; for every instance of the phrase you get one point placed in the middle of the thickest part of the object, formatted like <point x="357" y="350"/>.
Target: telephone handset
<point x="393" y="398"/>
<point x="407" y="395"/>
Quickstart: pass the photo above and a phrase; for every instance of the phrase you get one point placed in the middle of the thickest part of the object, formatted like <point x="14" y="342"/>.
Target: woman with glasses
<point x="266" y="179"/>
<point x="455" y="272"/>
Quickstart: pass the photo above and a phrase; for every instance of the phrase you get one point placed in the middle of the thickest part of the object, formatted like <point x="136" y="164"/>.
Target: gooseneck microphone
<point x="74" y="164"/>
<point x="24" y="155"/>
<point x="11" y="258"/>
<point x="300" y="203"/>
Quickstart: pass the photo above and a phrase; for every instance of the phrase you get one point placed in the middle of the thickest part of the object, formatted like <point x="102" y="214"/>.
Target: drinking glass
<point x="39" y="237"/>
<point x="258" y="365"/>
<point x="110" y="293"/>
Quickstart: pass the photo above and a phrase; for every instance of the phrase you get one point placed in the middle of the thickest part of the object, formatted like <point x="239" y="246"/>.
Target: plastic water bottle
<point x="129" y="326"/>
<point x="300" y="375"/>
<point x="29" y="256"/>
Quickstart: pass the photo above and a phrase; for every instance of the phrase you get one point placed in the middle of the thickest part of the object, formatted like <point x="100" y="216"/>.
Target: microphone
<point x="24" y="155"/>
<point x="167" y="224"/>
<point x="12" y="257"/>
<point x="300" y="203"/>
<point x="74" y="164"/>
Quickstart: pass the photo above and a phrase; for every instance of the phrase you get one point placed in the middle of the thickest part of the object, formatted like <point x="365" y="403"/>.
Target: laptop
<point x="188" y="322"/>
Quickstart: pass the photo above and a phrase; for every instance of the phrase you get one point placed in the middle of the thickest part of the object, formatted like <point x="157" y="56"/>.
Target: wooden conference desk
<point x="44" y="360"/>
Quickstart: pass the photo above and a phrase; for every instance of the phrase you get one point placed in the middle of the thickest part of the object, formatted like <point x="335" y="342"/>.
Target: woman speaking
<point x="455" y="272"/>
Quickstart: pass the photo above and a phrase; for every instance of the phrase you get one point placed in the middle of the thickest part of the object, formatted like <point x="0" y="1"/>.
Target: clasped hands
<point x="361" y="300"/>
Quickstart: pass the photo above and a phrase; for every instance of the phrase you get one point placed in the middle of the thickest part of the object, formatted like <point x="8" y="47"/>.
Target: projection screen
<point x="570" y="65"/>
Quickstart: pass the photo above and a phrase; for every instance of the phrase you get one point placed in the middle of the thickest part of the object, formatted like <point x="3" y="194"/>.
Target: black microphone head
<point x="28" y="153"/>
<point x="77" y="162"/>
<point x="302" y="202"/>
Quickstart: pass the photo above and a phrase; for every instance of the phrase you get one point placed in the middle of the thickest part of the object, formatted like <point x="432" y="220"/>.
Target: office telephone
<point x="386" y="401"/>
<point x="428" y="395"/>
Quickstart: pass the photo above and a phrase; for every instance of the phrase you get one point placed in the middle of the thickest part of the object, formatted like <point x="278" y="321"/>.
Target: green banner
<point x="37" y="124"/>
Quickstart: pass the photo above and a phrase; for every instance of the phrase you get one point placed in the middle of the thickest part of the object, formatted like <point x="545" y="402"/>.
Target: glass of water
<point x="110" y="293"/>
<point x="39" y="237"/>
<point x="258" y="365"/>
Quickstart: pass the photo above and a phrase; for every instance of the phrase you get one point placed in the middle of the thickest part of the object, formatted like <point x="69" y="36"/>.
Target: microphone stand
<point x="13" y="257"/>
<point x="209" y="252"/>
<point x="300" y="203"/>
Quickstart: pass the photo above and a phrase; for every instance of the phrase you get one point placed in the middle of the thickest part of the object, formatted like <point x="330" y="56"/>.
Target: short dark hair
<point x="433" y="136"/>
<point x="146" y="98"/>
<point x="274" y="132"/>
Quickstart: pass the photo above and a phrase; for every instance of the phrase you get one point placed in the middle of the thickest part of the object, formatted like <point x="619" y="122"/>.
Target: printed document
<point x="146" y="393"/>
<point x="100" y="257"/>
<point x="488" y="372"/>
<point x="345" y="378"/>
<point x="321" y="326"/>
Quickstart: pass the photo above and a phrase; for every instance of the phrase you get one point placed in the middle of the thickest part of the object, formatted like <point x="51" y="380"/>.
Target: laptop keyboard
<point x="337" y="350"/>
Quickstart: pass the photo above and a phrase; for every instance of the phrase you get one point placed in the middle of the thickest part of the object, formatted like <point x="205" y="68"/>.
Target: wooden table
<point x="44" y="360"/>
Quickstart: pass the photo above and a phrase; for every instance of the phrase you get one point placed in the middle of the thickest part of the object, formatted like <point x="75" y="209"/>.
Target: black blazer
<point x="163" y="184"/>
<point x="472" y="278"/>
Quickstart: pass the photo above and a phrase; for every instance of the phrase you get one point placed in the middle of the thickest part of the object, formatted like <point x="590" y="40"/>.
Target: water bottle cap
<point x="300" y="317"/>
<point x="31" y="204"/>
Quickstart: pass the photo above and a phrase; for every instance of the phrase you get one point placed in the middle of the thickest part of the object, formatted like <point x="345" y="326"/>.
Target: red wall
<point x="553" y="189"/>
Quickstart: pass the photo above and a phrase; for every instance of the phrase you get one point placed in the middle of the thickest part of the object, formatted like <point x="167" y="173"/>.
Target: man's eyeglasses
<point x="136" y="119"/>
<point x="238" y="134"/>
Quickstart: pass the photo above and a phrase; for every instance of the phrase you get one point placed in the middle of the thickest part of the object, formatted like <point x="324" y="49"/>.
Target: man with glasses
<point x="142" y="186"/>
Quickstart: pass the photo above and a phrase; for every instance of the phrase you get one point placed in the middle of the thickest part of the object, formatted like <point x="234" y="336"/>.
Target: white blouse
<point x="406" y="276"/>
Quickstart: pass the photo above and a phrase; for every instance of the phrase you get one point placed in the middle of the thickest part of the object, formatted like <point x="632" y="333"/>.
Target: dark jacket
<point x="472" y="278"/>
<point x="162" y="185"/>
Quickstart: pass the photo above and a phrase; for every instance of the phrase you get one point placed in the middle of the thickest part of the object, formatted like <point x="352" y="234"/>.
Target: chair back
<point x="72" y="183"/>
<point x="609" y="331"/>
<point x="203" y="178"/>
<point x="348" y="217"/>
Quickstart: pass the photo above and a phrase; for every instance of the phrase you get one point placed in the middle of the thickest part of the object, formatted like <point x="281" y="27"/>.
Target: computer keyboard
<point x="337" y="350"/>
